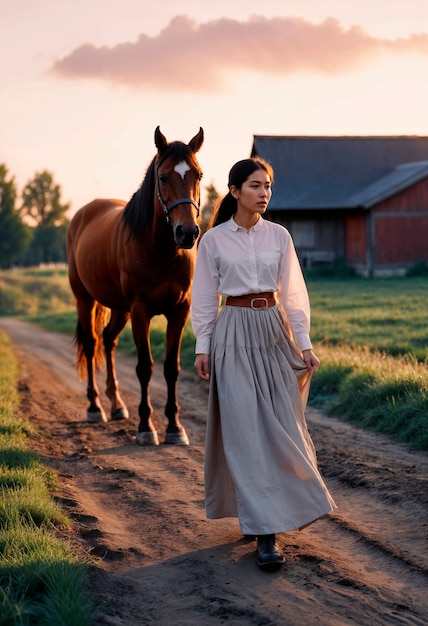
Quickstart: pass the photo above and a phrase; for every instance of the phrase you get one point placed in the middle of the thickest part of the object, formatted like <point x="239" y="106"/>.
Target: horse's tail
<point x="100" y="321"/>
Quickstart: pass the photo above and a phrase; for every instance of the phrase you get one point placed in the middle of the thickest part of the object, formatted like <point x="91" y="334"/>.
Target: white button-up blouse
<point x="233" y="262"/>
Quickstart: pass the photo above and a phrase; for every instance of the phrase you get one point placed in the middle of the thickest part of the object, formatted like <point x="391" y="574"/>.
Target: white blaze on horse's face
<point x="181" y="168"/>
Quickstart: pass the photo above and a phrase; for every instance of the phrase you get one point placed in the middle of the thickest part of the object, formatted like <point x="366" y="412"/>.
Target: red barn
<point x="360" y="200"/>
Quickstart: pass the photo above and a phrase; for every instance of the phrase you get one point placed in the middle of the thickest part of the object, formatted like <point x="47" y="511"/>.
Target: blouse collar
<point x="234" y="226"/>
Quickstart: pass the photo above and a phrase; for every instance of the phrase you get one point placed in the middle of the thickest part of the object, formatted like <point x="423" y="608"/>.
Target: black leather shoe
<point x="269" y="558"/>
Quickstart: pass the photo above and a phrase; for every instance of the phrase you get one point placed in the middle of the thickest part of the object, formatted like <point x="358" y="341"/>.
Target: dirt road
<point x="161" y="562"/>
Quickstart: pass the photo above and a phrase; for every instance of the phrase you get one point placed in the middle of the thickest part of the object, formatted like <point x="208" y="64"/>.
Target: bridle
<point x="167" y="208"/>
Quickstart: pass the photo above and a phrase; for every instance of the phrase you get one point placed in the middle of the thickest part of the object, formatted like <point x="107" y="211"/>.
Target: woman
<point x="260" y="463"/>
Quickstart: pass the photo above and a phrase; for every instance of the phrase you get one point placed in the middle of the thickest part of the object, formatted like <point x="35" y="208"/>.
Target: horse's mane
<point x="139" y="212"/>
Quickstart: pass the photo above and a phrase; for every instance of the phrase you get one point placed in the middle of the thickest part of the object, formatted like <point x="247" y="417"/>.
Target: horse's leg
<point x="146" y="434"/>
<point x="175" y="433"/>
<point x="110" y="335"/>
<point x="88" y="341"/>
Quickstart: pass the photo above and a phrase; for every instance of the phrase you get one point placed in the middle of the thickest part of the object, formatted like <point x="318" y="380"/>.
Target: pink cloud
<point x="187" y="55"/>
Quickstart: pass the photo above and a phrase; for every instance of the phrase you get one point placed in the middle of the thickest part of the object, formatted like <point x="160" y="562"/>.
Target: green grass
<point x="386" y="315"/>
<point x="42" y="583"/>
<point x="372" y="336"/>
<point x="376" y="391"/>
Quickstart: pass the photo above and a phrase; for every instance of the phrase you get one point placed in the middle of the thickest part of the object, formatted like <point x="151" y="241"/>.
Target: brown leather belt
<point x="253" y="300"/>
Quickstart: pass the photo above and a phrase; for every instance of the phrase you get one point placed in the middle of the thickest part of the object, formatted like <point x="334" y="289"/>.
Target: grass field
<point x="386" y="315"/>
<point x="372" y="338"/>
<point x="371" y="335"/>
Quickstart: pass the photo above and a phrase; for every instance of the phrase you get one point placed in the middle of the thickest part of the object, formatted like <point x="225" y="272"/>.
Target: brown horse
<point x="136" y="260"/>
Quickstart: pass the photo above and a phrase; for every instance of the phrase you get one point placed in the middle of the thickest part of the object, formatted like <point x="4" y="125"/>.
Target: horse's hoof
<point x="120" y="414"/>
<point x="96" y="417"/>
<point x="148" y="438"/>
<point x="177" y="439"/>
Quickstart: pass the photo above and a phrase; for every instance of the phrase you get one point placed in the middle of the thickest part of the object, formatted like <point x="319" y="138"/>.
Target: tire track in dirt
<point x="140" y="512"/>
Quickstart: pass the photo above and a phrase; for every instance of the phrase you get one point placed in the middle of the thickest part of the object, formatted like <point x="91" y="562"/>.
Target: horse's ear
<point x="197" y="141"/>
<point x="160" y="141"/>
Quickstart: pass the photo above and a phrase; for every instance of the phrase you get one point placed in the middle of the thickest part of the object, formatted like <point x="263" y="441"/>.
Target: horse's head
<point x="177" y="181"/>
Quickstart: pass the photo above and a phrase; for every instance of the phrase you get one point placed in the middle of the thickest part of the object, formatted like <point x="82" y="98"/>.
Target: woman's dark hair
<point x="237" y="176"/>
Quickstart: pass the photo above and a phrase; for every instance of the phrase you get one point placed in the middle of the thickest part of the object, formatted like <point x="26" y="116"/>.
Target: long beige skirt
<point x="260" y="462"/>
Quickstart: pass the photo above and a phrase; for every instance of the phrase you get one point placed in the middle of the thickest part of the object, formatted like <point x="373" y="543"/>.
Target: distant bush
<point x="419" y="269"/>
<point x="338" y="270"/>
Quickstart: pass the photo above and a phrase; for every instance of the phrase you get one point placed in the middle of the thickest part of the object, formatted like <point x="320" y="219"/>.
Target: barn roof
<point x="341" y="172"/>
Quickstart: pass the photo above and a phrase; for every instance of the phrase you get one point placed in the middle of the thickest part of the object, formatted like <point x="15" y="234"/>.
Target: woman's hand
<point x="202" y="366"/>
<point x="312" y="361"/>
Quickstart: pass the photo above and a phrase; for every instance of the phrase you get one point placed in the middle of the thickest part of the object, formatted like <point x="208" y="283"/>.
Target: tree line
<point x="33" y="227"/>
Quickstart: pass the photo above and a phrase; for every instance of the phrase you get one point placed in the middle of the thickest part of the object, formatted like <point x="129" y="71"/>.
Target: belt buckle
<point x="264" y="300"/>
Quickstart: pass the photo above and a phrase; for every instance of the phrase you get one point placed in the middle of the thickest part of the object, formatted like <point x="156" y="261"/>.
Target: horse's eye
<point x="163" y="179"/>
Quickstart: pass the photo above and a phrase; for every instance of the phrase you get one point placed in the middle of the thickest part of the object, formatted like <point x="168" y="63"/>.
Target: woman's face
<point x="255" y="193"/>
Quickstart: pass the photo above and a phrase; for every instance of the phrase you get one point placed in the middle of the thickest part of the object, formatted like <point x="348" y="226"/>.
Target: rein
<point x="167" y="208"/>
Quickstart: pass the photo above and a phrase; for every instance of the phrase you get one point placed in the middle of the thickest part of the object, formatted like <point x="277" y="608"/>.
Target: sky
<point x="84" y="83"/>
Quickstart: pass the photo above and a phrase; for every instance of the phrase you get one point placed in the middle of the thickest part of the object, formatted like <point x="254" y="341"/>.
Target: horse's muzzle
<point x="186" y="237"/>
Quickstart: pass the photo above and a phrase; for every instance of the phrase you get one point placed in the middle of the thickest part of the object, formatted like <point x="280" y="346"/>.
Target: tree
<point x="14" y="234"/>
<point x="208" y="208"/>
<point x="47" y="246"/>
<point x="41" y="204"/>
<point x="41" y="201"/>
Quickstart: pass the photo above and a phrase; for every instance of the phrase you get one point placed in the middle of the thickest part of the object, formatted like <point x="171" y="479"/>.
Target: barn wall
<point x="317" y="237"/>
<point x="400" y="227"/>
<point x="355" y="239"/>
<point x="401" y="239"/>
